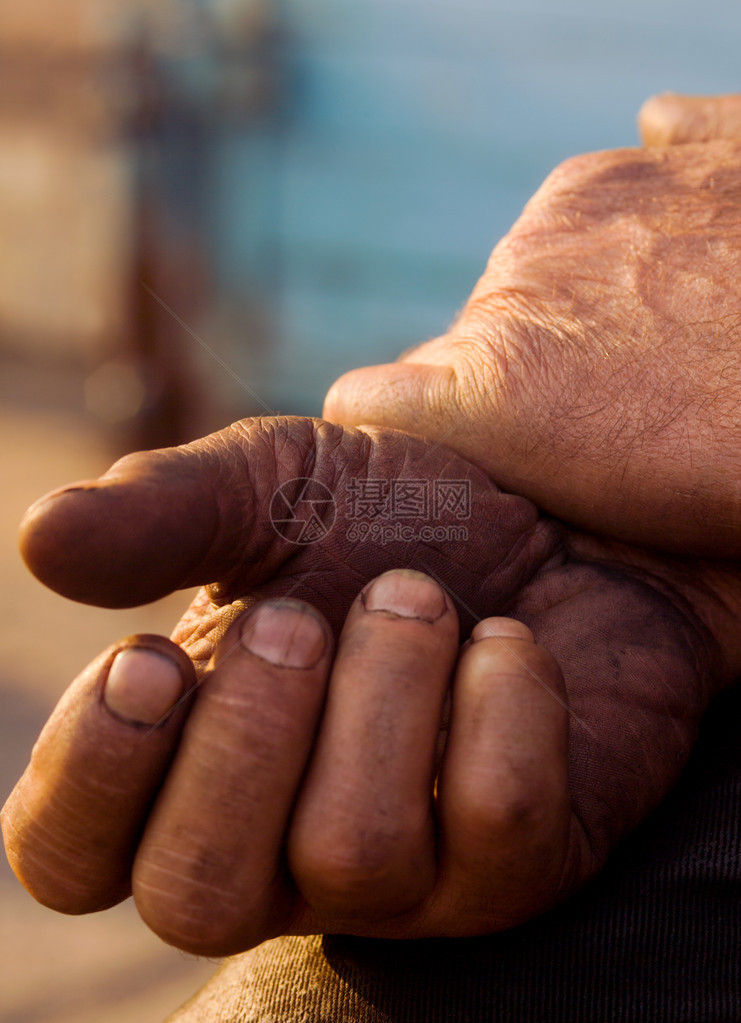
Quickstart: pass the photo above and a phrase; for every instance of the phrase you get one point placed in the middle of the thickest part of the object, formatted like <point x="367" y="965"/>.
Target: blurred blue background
<point x="212" y="208"/>
<point x="347" y="216"/>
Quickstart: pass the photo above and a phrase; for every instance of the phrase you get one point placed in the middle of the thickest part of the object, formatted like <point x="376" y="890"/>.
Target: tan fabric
<point x="285" y="979"/>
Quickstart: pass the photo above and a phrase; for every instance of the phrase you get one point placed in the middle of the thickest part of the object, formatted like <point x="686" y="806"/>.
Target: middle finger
<point x="361" y="844"/>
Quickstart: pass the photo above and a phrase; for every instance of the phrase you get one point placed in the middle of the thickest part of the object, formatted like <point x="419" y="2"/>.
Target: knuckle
<point x="365" y="872"/>
<point x="515" y="813"/>
<point x="56" y="870"/>
<point x="579" y="173"/>
<point x="196" y="911"/>
<point x="345" y="866"/>
<point x="586" y="190"/>
<point x="518" y="813"/>
<point x="572" y="171"/>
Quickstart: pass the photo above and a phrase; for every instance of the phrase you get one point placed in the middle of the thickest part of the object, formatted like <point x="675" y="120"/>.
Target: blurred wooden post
<point x="93" y="251"/>
<point x="65" y="200"/>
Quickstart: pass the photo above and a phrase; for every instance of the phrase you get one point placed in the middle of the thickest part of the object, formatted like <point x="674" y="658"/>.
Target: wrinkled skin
<point x="642" y="642"/>
<point x="594" y="370"/>
<point x="596" y="367"/>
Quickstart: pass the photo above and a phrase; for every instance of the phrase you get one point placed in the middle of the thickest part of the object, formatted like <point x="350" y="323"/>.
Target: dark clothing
<point x="657" y="937"/>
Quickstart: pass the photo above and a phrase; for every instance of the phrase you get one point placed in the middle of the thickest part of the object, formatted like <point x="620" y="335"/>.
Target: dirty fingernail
<point x="406" y="593"/>
<point x="142" y="686"/>
<point x="285" y="633"/>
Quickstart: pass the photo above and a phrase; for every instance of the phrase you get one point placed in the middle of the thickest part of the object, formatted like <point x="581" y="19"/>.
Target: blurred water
<point x="408" y="137"/>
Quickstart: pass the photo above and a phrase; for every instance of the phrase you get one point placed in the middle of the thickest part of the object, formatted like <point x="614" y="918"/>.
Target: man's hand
<point x="596" y="368"/>
<point x="295" y="792"/>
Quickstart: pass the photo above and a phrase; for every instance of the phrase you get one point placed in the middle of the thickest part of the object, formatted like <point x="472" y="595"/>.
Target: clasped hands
<point x="342" y="765"/>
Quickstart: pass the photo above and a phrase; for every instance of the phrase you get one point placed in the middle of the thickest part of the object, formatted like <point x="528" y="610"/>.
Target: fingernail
<point x="406" y="593"/>
<point x="142" y="686"/>
<point x="501" y="628"/>
<point x="285" y="633"/>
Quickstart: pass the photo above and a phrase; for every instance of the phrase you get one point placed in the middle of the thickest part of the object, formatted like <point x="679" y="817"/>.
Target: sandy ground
<point x="56" y="969"/>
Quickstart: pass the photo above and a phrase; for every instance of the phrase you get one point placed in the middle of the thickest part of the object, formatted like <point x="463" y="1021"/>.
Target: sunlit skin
<point x="300" y="797"/>
<point x="673" y="119"/>
<point x="595" y="368"/>
<point x="344" y="765"/>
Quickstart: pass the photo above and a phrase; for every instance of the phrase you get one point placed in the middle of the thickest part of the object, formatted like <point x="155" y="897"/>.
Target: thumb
<point x="163" y="520"/>
<point x="225" y="509"/>
<point x="411" y="396"/>
<point x="672" y="119"/>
